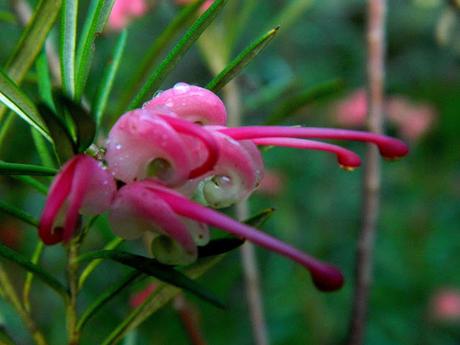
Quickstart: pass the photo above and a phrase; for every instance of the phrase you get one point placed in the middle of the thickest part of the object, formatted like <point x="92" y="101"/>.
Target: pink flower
<point x="271" y="184"/>
<point x="413" y="120"/>
<point x="124" y="11"/>
<point x="82" y="187"/>
<point x="141" y="296"/>
<point x="445" y="305"/>
<point x="148" y="206"/>
<point x="352" y="111"/>
<point x="162" y="145"/>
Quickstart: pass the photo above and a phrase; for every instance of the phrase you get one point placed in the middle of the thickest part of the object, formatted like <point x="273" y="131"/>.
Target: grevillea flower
<point x="123" y="11"/>
<point x="149" y="206"/>
<point x="82" y="187"/>
<point x="145" y="143"/>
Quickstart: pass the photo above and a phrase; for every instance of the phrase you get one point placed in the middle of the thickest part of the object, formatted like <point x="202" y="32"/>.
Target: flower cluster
<point x="175" y="148"/>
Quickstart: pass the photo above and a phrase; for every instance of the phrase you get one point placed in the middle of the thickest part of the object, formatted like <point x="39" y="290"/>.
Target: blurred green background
<point x="318" y="204"/>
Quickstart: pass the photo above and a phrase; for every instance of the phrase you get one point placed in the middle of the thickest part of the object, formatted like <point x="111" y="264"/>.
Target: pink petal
<point x="59" y="190"/>
<point x="138" y="139"/>
<point x="136" y="210"/>
<point x="237" y="173"/>
<point x="191" y="103"/>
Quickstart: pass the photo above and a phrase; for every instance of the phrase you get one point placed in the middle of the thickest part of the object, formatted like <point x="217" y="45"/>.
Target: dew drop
<point x="182" y="87"/>
<point x="118" y="146"/>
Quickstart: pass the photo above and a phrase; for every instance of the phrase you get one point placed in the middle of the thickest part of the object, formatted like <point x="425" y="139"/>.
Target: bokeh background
<point x="416" y="291"/>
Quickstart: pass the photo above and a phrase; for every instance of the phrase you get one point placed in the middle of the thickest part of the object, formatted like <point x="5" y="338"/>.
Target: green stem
<point x="72" y="275"/>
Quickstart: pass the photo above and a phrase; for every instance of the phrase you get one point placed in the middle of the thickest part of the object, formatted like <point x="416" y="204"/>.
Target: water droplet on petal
<point x="118" y="146"/>
<point x="182" y="87"/>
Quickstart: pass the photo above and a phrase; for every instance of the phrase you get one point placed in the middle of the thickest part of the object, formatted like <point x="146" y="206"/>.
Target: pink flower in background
<point x="124" y="11"/>
<point x="352" y="111"/>
<point x="413" y="120"/>
<point x="271" y="184"/>
<point x="445" y="305"/>
<point x="141" y="296"/>
<point x="81" y="187"/>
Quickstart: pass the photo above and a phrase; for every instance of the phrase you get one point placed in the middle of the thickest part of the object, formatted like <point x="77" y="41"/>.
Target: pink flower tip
<point x="327" y="278"/>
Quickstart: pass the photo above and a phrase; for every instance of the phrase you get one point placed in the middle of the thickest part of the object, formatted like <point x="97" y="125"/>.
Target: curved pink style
<point x="191" y="103"/>
<point x="204" y="136"/>
<point x="325" y="277"/>
<point x="82" y="186"/>
<point x="389" y="148"/>
<point x="140" y="142"/>
<point x="346" y="158"/>
<point x="135" y="210"/>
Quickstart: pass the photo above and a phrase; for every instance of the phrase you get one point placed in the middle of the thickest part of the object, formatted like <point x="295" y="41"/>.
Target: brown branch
<point x="371" y="182"/>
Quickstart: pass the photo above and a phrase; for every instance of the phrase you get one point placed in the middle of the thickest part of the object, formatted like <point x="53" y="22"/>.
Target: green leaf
<point x="185" y="17"/>
<point x="162" y="294"/>
<point x="19" y="214"/>
<point x="106" y="296"/>
<point x="260" y="218"/>
<point x="158" y="270"/>
<point x="291" y="13"/>
<point x="167" y="65"/>
<point x="68" y="37"/>
<point x="19" y="259"/>
<point x="84" y="125"/>
<point x="40" y="187"/>
<point x="290" y="105"/>
<point x="64" y="145"/>
<point x="98" y="13"/>
<point x="32" y="39"/>
<point x="108" y="78"/>
<point x="219" y="246"/>
<point x="30" y="276"/>
<point x="25" y="169"/>
<point x="18" y="102"/>
<point x="237" y="64"/>
<point x="45" y="88"/>
<point x="113" y="244"/>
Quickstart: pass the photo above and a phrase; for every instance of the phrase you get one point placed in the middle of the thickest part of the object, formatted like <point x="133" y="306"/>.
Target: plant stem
<point x="371" y="188"/>
<point x="10" y="294"/>
<point x="72" y="274"/>
<point x="248" y="257"/>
